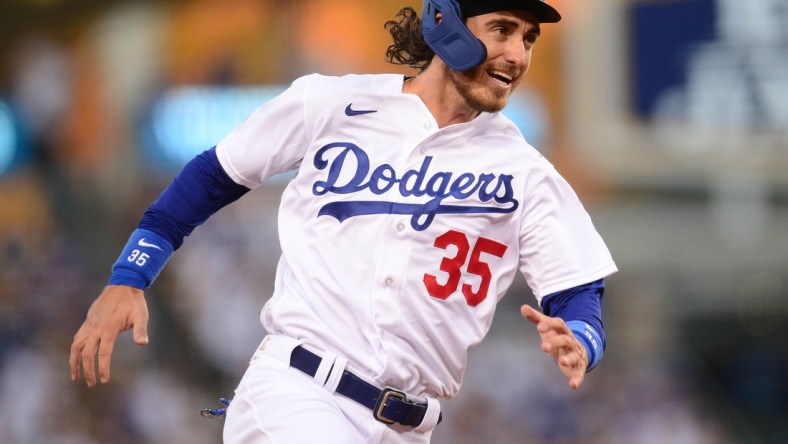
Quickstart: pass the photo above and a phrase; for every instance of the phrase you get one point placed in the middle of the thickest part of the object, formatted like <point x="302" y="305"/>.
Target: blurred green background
<point x="669" y="117"/>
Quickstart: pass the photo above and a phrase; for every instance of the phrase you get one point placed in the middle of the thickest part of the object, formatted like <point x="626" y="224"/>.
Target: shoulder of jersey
<point x="327" y="94"/>
<point x="499" y="130"/>
<point x="324" y="84"/>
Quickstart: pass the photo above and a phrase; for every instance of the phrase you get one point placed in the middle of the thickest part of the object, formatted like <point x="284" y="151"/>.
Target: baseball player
<point x="414" y="205"/>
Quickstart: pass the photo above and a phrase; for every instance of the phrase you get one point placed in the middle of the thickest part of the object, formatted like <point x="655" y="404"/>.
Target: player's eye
<point x="499" y="30"/>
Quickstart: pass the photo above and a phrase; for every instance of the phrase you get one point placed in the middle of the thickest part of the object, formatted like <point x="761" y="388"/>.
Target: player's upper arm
<point x="201" y="189"/>
<point x="272" y="140"/>
<point x="559" y="245"/>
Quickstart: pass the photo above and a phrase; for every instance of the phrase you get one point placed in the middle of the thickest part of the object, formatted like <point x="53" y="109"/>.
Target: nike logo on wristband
<point x="142" y="243"/>
<point x="349" y="111"/>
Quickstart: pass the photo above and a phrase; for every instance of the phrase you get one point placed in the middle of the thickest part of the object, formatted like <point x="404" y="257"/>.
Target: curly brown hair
<point x="409" y="47"/>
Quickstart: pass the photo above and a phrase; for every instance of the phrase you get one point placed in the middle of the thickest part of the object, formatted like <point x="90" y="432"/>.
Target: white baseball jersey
<point x="398" y="237"/>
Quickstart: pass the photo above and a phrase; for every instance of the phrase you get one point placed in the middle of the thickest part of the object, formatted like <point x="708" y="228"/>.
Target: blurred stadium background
<point x="670" y="118"/>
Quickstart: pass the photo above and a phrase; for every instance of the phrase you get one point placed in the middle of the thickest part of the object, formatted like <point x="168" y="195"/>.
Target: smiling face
<point x="509" y="37"/>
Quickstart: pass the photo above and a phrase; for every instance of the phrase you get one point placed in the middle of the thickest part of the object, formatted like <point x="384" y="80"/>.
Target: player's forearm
<point x="201" y="189"/>
<point x="581" y="308"/>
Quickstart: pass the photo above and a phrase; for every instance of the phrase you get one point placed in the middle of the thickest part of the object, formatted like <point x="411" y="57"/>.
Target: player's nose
<point x="516" y="53"/>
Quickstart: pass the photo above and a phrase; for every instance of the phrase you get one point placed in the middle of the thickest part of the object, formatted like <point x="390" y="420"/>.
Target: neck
<point x="440" y="96"/>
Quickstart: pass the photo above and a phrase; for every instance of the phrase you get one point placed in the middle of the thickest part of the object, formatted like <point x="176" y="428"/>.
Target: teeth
<point x="502" y="76"/>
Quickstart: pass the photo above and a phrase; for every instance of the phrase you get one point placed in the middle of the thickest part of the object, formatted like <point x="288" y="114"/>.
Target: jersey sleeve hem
<point x="224" y="161"/>
<point x="554" y="287"/>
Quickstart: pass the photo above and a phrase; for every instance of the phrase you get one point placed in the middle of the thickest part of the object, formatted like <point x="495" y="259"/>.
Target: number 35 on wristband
<point x="138" y="257"/>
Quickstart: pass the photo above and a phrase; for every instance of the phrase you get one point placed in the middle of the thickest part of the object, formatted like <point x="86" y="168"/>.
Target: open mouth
<point x="501" y="77"/>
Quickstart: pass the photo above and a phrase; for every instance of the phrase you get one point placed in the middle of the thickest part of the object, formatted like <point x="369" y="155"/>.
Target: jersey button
<point x="389" y="282"/>
<point x="427" y="125"/>
<point x="423" y="150"/>
<point x="400" y="227"/>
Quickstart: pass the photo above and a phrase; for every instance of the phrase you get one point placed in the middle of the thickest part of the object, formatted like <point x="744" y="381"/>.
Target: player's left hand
<point x="560" y="343"/>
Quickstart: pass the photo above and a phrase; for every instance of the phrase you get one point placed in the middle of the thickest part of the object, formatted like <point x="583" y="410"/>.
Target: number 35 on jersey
<point x="455" y="266"/>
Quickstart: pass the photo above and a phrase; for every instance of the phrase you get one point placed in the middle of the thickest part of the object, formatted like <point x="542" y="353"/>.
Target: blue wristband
<point x="142" y="260"/>
<point x="590" y="339"/>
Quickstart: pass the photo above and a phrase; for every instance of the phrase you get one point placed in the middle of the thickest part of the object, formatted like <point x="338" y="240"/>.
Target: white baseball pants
<point x="275" y="403"/>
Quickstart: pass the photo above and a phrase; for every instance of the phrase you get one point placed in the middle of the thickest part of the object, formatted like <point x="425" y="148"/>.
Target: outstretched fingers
<point x="83" y="350"/>
<point x="532" y="315"/>
<point x="76" y="353"/>
<point x="116" y="310"/>
<point x="560" y="343"/>
<point x="104" y="353"/>
<point x="547" y="326"/>
<point x="91" y="345"/>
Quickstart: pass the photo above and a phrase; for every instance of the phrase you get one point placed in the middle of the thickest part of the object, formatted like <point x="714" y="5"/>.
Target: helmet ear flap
<point x="448" y="36"/>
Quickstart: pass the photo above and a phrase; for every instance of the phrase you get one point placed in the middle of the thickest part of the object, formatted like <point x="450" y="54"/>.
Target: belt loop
<point x="260" y="349"/>
<point x="388" y="405"/>
<point x="325" y="367"/>
<point x="431" y="416"/>
<point x="336" y="374"/>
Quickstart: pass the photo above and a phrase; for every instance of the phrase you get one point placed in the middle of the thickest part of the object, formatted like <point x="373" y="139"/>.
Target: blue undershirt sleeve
<point x="201" y="189"/>
<point x="581" y="308"/>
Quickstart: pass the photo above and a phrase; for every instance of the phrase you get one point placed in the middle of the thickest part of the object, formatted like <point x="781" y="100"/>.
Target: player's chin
<point x="492" y="103"/>
<point x="497" y="96"/>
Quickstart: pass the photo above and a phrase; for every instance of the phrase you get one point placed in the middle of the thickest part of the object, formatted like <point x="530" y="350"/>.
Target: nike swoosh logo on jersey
<point x="349" y="111"/>
<point x="142" y="243"/>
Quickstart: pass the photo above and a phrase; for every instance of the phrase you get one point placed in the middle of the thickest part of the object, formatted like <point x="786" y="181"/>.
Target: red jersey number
<point x="452" y="266"/>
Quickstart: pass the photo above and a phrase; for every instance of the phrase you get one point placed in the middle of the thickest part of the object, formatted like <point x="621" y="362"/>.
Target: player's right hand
<point x="117" y="309"/>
